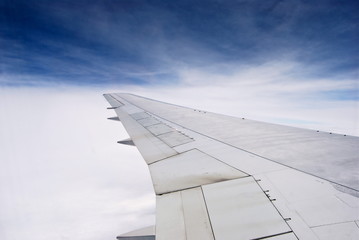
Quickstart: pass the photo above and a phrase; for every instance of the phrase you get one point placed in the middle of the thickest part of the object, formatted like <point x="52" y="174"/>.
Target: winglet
<point x="127" y="141"/>
<point x="114" y="118"/>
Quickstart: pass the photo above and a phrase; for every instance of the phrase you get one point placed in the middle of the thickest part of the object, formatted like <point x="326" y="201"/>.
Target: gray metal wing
<point x="220" y="177"/>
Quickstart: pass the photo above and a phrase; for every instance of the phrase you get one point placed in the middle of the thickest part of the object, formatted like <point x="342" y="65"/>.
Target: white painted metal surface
<point x="183" y="215"/>
<point x="140" y="115"/>
<point x="169" y="217"/>
<point x="175" y="138"/>
<point x="316" y="201"/>
<point x="148" y="121"/>
<point x="113" y="101"/>
<point x="151" y="148"/>
<point x="335" y="231"/>
<point x="159" y="129"/>
<point x="196" y="218"/>
<point x="189" y="169"/>
<point x="298" y="148"/>
<point x="237" y="158"/>
<point x="191" y="152"/>
<point x="287" y="236"/>
<point x="239" y="209"/>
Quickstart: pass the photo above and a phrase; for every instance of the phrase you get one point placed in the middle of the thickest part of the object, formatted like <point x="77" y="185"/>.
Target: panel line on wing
<point x="160" y="129"/>
<point x="332" y="224"/>
<point x="116" y="99"/>
<point x="113" y="101"/>
<point x="146" y="122"/>
<point x="255" y="154"/>
<point x="243" y="203"/>
<point x="165" y="133"/>
<point x="175" y="138"/>
<point x="205" y="203"/>
<point x="170" y="156"/>
<point x="189" y="169"/>
<point x="140" y="115"/>
<point x="271" y="201"/>
<point x="273" y="235"/>
<point x="225" y="163"/>
<point x="151" y="148"/>
<point x="182" y="189"/>
<point x="183" y="215"/>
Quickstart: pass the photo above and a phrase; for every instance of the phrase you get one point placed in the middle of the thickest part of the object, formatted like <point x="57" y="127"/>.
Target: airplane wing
<point x="221" y="177"/>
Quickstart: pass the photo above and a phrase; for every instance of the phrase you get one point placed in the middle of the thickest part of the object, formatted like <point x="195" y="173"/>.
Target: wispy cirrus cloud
<point x="120" y="41"/>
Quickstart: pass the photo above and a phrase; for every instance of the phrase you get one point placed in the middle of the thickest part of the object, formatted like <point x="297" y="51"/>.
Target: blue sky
<point x="150" y="42"/>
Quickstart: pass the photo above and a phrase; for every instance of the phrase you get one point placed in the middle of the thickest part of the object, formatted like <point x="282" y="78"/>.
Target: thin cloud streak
<point x="102" y="42"/>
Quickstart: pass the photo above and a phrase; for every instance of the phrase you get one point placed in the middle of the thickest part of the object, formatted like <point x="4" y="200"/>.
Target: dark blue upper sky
<point x="146" y="42"/>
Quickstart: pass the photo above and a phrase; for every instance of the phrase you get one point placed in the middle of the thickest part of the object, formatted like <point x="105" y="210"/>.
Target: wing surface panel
<point x="190" y="169"/>
<point x="159" y="129"/>
<point x="174" y="138"/>
<point x="302" y="149"/>
<point x="334" y="231"/>
<point x="287" y="236"/>
<point x="146" y="122"/>
<point x="184" y="212"/>
<point x="310" y="202"/>
<point x="219" y="177"/>
<point x="243" y="197"/>
<point x="150" y="147"/>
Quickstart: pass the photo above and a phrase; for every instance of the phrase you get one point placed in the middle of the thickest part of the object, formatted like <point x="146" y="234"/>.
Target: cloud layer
<point x="63" y="175"/>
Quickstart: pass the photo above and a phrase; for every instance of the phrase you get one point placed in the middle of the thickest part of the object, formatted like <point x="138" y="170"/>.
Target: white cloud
<point x="279" y="90"/>
<point x="63" y="176"/>
<point x="275" y="92"/>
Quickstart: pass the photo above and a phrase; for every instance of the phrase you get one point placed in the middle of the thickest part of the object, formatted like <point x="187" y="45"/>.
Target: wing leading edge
<point x="219" y="177"/>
